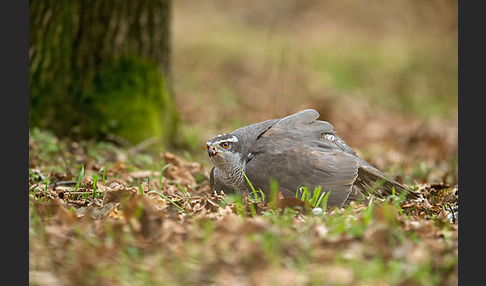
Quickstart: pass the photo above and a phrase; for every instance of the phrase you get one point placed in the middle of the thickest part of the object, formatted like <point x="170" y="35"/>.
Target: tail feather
<point x="371" y="181"/>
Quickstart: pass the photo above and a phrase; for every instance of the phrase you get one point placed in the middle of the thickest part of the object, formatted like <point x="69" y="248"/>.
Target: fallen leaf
<point x="181" y="171"/>
<point x="150" y="220"/>
<point x="144" y="174"/>
<point x="293" y="203"/>
<point x="117" y="193"/>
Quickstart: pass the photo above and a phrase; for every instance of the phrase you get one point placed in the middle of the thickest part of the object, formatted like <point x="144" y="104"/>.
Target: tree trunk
<point x="97" y="67"/>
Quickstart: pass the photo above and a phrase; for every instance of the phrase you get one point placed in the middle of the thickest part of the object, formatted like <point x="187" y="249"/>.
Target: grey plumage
<point x="296" y="151"/>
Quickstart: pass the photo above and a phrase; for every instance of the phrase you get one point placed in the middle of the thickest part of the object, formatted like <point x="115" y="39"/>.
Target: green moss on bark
<point x="99" y="67"/>
<point x="130" y="97"/>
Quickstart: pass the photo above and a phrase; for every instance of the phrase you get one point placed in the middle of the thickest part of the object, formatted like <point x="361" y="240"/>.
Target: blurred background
<point x="384" y="73"/>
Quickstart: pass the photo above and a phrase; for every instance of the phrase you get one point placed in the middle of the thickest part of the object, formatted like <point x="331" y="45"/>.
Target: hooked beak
<point x="211" y="150"/>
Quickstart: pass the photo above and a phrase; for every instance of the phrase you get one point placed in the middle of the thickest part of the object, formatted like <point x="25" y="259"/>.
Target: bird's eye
<point x="225" y="145"/>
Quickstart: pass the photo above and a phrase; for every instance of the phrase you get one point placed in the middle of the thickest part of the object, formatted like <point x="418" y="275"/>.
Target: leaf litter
<point x="148" y="226"/>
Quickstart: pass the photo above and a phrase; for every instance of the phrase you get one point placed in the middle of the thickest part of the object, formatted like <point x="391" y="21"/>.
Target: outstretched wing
<point x="300" y="151"/>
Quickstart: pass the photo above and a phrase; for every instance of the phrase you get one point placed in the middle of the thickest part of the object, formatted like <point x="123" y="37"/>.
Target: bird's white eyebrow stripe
<point x="230" y="139"/>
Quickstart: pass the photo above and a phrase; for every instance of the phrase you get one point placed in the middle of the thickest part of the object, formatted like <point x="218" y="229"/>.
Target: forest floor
<point x="101" y="214"/>
<point x="384" y="74"/>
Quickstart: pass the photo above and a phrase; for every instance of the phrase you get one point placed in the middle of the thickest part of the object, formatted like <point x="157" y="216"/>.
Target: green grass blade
<point x="184" y="192"/>
<point x="81" y="175"/>
<point x="140" y="187"/>
<point x="45" y="189"/>
<point x="324" y="197"/>
<point x="95" y="188"/>
<point x="104" y="172"/>
<point x="316" y="196"/>
<point x="255" y="193"/>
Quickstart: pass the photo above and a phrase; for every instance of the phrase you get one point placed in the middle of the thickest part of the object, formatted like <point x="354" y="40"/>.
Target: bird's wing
<point x="299" y="151"/>
<point x="333" y="170"/>
<point x="305" y="126"/>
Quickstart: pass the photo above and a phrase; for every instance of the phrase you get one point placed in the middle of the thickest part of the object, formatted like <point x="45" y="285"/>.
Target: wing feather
<point x="295" y="153"/>
<point x="299" y="150"/>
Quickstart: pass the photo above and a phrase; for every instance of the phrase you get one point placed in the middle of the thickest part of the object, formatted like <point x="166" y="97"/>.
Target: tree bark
<point x="99" y="67"/>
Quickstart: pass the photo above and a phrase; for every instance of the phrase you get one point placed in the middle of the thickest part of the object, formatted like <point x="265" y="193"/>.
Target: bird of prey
<point x="296" y="151"/>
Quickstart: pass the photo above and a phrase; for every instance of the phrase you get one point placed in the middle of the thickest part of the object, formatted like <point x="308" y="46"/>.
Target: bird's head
<point x="225" y="152"/>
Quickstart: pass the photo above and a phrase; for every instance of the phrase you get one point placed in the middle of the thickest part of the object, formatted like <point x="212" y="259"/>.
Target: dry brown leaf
<point x="181" y="171"/>
<point x="144" y="174"/>
<point x="150" y="220"/>
<point x="255" y="225"/>
<point x="115" y="212"/>
<point x="380" y="239"/>
<point x="96" y="211"/>
<point x="49" y="208"/>
<point x="118" y="167"/>
<point x="423" y="228"/>
<point x="292" y="202"/>
<point x="117" y="193"/>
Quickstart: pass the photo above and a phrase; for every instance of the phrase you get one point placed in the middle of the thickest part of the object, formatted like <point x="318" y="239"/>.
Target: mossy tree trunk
<point x="97" y="67"/>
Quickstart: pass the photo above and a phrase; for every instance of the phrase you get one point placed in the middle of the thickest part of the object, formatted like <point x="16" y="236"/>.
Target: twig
<point x="63" y="183"/>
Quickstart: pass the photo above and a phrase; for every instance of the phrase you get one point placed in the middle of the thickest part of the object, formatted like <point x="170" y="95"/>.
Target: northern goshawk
<point x="296" y="151"/>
